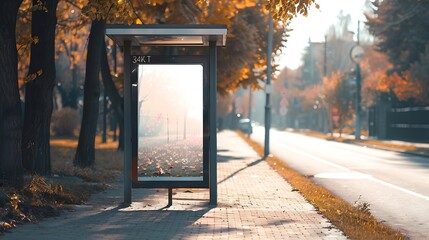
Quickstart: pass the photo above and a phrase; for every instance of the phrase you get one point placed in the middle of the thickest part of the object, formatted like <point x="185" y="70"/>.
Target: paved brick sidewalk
<point x="254" y="203"/>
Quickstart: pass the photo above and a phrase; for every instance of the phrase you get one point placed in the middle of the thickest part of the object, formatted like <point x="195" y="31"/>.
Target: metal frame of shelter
<point x="194" y="35"/>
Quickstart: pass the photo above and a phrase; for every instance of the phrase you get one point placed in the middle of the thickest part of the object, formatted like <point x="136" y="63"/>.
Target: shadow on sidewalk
<point x="241" y="169"/>
<point x="126" y="223"/>
<point x="224" y="158"/>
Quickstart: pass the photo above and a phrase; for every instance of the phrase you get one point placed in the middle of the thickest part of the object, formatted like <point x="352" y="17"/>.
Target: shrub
<point x="65" y="121"/>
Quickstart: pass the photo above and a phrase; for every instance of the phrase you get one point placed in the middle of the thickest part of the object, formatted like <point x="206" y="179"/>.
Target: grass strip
<point x="355" y="221"/>
<point x="48" y="196"/>
<point x="108" y="160"/>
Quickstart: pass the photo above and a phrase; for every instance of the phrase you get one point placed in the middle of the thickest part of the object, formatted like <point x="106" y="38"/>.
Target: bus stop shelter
<point x="163" y="90"/>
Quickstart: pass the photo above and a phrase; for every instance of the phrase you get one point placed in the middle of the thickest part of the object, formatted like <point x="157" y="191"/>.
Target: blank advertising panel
<point x="170" y="144"/>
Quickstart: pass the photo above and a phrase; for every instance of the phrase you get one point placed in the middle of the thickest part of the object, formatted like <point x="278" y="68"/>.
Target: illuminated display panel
<point x="170" y="121"/>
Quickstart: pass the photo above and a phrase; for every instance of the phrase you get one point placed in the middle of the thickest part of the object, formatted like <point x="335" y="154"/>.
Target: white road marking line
<point x="400" y="189"/>
<point x="346" y="169"/>
<point x="316" y="158"/>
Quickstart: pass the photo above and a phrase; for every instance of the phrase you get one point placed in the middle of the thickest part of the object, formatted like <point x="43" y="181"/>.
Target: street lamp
<point x="105" y="100"/>
<point x="250" y="111"/>
<point x="357" y="55"/>
<point x="268" y="88"/>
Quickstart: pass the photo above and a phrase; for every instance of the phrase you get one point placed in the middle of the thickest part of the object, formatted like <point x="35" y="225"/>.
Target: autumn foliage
<point x="405" y="42"/>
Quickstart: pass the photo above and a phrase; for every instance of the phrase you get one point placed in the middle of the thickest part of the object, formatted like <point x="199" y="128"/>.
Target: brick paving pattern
<point x="254" y="203"/>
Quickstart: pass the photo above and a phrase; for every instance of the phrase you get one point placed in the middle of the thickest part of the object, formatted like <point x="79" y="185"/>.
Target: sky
<point x="315" y="26"/>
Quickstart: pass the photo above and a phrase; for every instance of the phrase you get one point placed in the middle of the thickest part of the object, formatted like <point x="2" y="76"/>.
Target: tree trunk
<point x="121" y="146"/>
<point x="10" y="109"/>
<point x="74" y="91"/>
<point x="112" y="92"/>
<point x="69" y="97"/>
<point x="85" y="153"/>
<point x="39" y="92"/>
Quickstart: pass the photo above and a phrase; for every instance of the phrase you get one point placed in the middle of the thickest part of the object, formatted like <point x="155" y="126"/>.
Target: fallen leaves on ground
<point x="47" y="196"/>
<point x="182" y="158"/>
<point x="38" y="199"/>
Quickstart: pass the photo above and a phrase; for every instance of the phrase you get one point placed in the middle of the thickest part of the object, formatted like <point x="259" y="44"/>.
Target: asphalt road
<point x="395" y="185"/>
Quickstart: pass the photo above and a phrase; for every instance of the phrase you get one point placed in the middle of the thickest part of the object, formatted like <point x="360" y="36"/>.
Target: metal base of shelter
<point x="170" y="197"/>
<point x="128" y="181"/>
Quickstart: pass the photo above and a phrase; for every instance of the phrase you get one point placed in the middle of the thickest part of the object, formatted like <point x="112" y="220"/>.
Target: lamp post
<point x="168" y="131"/>
<point x="177" y="127"/>
<point x="358" y="99"/>
<point x="104" y="126"/>
<point x="325" y="56"/>
<point x="250" y="111"/>
<point x="357" y="55"/>
<point x="268" y="88"/>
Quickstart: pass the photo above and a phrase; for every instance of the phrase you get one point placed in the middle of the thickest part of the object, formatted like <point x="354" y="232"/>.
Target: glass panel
<point x="170" y="123"/>
<point x="170" y="40"/>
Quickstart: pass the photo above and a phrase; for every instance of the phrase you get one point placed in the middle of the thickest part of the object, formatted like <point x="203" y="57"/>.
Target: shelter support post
<point x="212" y="120"/>
<point x="170" y="197"/>
<point x="127" y="123"/>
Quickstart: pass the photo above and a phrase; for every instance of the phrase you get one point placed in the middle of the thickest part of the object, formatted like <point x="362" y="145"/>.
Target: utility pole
<point x="268" y="88"/>
<point x="104" y="126"/>
<point x="358" y="90"/>
<point x="177" y="127"/>
<point x="250" y="111"/>
<point x="104" y="135"/>
<point x="325" y="120"/>
<point x="325" y="57"/>
<point x="310" y="47"/>
<point x="168" y="131"/>
<point x="184" y="125"/>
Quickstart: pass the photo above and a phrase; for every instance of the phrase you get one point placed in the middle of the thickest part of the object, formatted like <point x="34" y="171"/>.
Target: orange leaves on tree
<point x="247" y="31"/>
<point x="337" y="94"/>
<point x="112" y="11"/>
<point x="39" y="6"/>
<point x="245" y="3"/>
<point x="33" y="76"/>
<point x="312" y="94"/>
<point x="287" y="9"/>
<point x="217" y="12"/>
<point x="374" y="76"/>
<point x="331" y="82"/>
<point x="403" y="87"/>
<point x="158" y="2"/>
<point x="376" y="79"/>
<point x="372" y="85"/>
